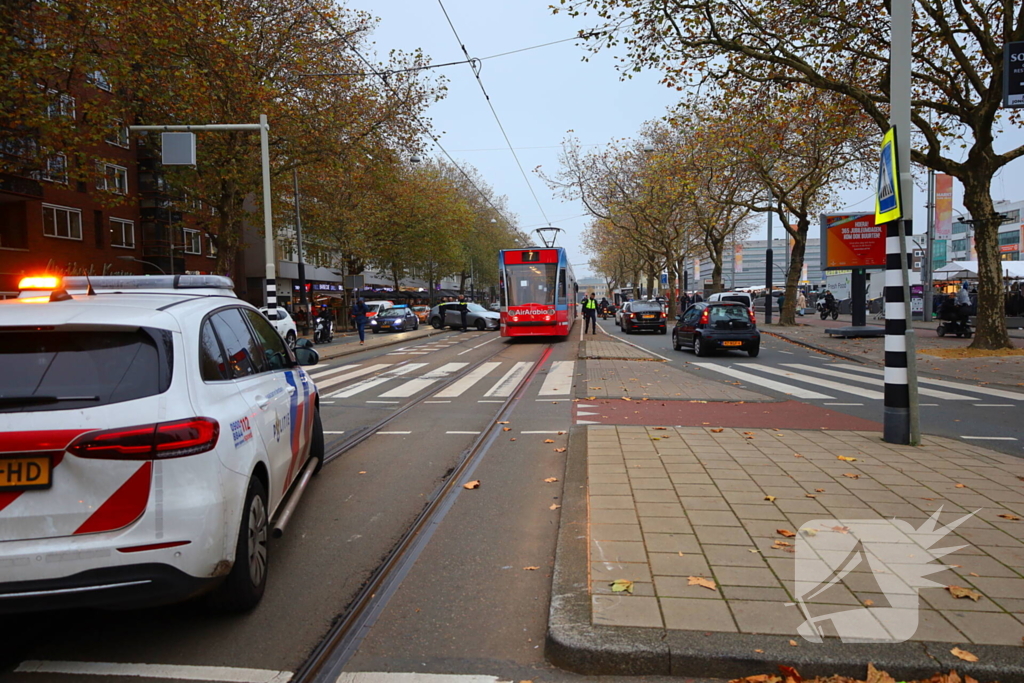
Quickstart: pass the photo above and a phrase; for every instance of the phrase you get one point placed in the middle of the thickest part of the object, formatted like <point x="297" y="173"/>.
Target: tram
<point x="538" y="292"/>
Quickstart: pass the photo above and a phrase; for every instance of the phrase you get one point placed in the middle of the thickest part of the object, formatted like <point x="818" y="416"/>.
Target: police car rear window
<point x="47" y="370"/>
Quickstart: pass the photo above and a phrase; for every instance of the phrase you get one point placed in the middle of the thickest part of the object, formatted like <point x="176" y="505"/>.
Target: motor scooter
<point x="324" y="331"/>
<point x="954" y="322"/>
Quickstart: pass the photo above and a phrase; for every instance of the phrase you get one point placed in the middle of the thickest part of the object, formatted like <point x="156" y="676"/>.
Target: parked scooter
<point x="324" y="331"/>
<point x="954" y="321"/>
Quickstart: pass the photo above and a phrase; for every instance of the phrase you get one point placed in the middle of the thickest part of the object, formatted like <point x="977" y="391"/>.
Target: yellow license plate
<point x="732" y="343"/>
<point x="650" y="317"/>
<point x="25" y="472"/>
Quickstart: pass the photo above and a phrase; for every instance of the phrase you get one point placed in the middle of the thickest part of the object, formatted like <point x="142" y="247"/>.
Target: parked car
<point x="422" y="312"/>
<point x="496" y="307"/>
<point x="739" y="297"/>
<point x="449" y="315"/>
<point x="643" y="315"/>
<point x="159" y="425"/>
<point x="397" y="319"/>
<point x="283" y="323"/>
<point x="709" y="326"/>
<point x="375" y="307"/>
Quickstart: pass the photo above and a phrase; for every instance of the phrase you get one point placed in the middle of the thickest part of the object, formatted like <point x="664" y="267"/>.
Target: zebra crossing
<point x="829" y="382"/>
<point x="493" y="381"/>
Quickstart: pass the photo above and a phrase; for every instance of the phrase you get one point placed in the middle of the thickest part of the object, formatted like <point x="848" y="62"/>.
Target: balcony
<point x="20" y="185"/>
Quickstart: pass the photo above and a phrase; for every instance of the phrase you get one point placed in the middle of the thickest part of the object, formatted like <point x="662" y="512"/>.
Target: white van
<point x="739" y="297"/>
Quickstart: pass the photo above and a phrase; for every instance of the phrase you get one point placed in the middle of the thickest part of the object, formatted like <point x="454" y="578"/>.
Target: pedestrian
<point x="801" y="302"/>
<point x="463" y="311"/>
<point x="590" y="314"/>
<point x="358" y="315"/>
<point x="697" y="298"/>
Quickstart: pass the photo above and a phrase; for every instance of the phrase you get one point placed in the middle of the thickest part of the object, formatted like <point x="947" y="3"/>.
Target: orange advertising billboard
<point x="853" y="241"/>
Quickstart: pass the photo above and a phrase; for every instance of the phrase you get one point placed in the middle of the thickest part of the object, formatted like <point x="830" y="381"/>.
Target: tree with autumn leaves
<point x="843" y="48"/>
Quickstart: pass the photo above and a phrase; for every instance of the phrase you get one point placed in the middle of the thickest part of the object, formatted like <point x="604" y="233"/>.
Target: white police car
<point x="153" y="431"/>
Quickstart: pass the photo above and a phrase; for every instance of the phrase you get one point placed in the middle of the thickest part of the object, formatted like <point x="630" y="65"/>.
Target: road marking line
<point x="394" y="432"/>
<point x="332" y="371"/>
<point x="327" y="403"/>
<point x="507" y="384"/>
<point x="843" y="404"/>
<point x="874" y="381"/>
<point x="334" y="432"/>
<point x="551" y="400"/>
<point x="585" y="405"/>
<point x="389" y="677"/>
<point x="541" y="432"/>
<point x="352" y="375"/>
<point x="460" y="387"/>
<point x="490" y="401"/>
<point x="586" y="422"/>
<point x="559" y="379"/>
<point x="994" y="405"/>
<point x="477" y="346"/>
<point x="360" y="387"/>
<point x="580" y="412"/>
<point x="462" y="432"/>
<point x="626" y="341"/>
<point x="788" y="353"/>
<point x="928" y="405"/>
<point x="990" y="438"/>
<point x="414" y="386"/>
<point x="818" y="382"/>
<point x="383" y="401"/>
<point x="437" y="401"/>
<point x="768" y="383"/>
<point x="178" y="672"/>
<point x="949" y="385"/>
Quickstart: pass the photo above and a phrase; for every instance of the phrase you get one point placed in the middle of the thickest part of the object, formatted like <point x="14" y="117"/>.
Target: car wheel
<point x="699" y="347"/>
<point x="376" y="331"/>
<point x="675" y="342"/>
<point x="436" y="323"/>
<point x="316" y="444"/>
<point x="754" y="350"/>
<point x="244" y="586"/>
<point x="663" y="330"/>
<point x="941" y="330"/>
<point x="290" y="339"/>
<point x="481" y="325"/>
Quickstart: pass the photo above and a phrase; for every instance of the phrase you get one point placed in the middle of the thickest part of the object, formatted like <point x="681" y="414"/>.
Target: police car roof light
<point x="148" y="282"/>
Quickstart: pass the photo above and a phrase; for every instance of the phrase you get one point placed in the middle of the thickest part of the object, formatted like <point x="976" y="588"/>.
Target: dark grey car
<point x="449" y="315"/>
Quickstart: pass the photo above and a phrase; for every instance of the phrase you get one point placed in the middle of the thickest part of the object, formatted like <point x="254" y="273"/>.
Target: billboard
<point x="943" y="206"/>
<point x="738" y="257"/>
<point x="852" y="240"/>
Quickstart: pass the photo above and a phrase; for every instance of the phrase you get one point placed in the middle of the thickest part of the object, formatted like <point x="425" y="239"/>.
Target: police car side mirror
<point x="306" y="356"/>
<point x="303" y="344"/>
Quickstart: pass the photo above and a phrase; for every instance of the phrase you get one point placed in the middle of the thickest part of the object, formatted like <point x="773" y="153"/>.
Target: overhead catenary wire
<point x="423" y="126"/>
<point x="494" y="112"/>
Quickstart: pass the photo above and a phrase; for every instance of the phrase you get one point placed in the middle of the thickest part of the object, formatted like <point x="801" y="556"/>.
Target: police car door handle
<point x="291" y="390"/>
<point x="262" y="402"/>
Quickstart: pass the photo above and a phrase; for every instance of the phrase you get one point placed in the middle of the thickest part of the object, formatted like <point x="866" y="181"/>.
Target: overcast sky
<point x="541" y="96"/>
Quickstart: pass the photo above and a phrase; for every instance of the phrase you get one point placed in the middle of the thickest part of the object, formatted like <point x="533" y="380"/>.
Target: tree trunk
<point x="990" y="324"/>
<point x="787" y="316"/>
<point x="650" y="285"/>
<point x="716" y="263"/>
<point x="673" y="294"/>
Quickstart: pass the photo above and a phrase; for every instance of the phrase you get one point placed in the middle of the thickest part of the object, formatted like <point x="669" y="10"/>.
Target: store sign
<point x="853" y="241"/>
<point x="1005" y="248"/>
<point x="1013" y="75"/>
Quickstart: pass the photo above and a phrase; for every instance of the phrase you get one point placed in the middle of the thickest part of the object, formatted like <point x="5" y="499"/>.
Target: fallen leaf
<point x="747" y="433"/>
<point x="475" y="484"/>
<point x="530" y="569"/>
<point x="810" y="495"/>
<point x="819" y="490"/>
<point x="961" y="486"/>
<point x="559" y="450"/>
<point x="753" y="550"/>
<point x="876" y="676"/>
<point x="701" y="581"/>
<point x="503" y="423"/>
<point x="797" y="455"/>
<point x="841" y="529"/>
<point x="793" y="643"/>
<point x="779" y="544"/>
<point x="963" y="654"/>
<point x="561" y="433"/>
<point x="1012" y="518"/>
<point x="621" y="586"/>
<point x="851" y="476"/>
<point x="759" y="652"/>
<point x="927" y="499"/>
<point x="661" y="428"/>
<point x="506" y="429"/>
<point x="551" y="480"/>
<point x="791" y="674"/>
<point x="554" y="506"/>
<point x="809" y="532"/>
<point x="680" y="553"/>
<point x="363" y="472"/>
<point x="785" y="532"/>
<point x="869" y="603"/>
<point x="961" y="592"/>
<point x="512" y="439"/>
<point x="973" y="574"/>
<point x="770" y="499"/>
<point x="717" y="431"/>
<point x="549" y="440"/>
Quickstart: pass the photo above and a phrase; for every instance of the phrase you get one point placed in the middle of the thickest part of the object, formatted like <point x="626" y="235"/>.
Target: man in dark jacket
<point x="359" y="311"/>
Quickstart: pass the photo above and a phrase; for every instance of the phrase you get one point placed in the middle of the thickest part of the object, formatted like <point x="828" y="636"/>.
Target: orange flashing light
<point x="46" y="282"/>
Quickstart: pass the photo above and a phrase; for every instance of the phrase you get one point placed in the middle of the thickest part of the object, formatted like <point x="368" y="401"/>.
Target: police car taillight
<point x="149" y="442"/>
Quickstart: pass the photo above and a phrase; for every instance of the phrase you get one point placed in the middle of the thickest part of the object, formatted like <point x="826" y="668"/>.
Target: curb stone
<point x="819" y="349"/>
<point x="575" y="644"/>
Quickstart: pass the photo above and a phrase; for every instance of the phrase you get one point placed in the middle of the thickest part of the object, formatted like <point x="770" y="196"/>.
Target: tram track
<point x="329" y="657"/>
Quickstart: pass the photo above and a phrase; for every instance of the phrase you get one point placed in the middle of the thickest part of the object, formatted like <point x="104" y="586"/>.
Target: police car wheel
<point x="436" y="323"/>
<point x="481" y="324"/>
<point x="316" y="446"/>
<point x="290" y="339"/>
<point x="244" y="586"/>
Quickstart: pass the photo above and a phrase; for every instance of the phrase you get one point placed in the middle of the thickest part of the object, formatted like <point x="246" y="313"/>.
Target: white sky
<point x="543" y="95"/>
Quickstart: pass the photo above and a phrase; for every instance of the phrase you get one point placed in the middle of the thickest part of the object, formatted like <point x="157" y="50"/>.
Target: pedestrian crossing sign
<point x="888" y="205"/>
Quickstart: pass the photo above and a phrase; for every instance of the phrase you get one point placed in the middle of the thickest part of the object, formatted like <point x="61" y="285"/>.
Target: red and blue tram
<point x="538" y="292"/>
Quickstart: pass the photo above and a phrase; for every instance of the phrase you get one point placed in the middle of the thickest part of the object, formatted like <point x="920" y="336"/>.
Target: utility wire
<point x="423" y="126"/>
<point x="389" y="72"/>
<point x="476" y="72"/>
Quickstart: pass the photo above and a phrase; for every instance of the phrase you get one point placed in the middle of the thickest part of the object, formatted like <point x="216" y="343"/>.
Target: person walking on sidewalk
<point x="801" y="302"/>
<point x="358" y="314"/>
<point x="590" y="314"/>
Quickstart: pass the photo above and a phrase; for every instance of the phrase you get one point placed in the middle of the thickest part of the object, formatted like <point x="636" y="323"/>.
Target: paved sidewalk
<point x="657" y="506"/>
<point x="1007" y="370"/>
<point x="639" y="380"/>
<point x="614" y="350"/>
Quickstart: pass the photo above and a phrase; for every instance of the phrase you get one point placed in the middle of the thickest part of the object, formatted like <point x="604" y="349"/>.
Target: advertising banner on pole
<point x="738" y="257"/>
<point x="943" y="206"/>
<point x="852" y="241"/>
<point x="696" y="269"/>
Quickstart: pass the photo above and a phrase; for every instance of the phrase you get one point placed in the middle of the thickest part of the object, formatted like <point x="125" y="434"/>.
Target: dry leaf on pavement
<point x="363" y="472"/>
<point x="851" y="476"/>
<point x="701" y="581"/>
<point x="503" y="423"/>
<point x="797" y="455"/>
<point x="876" y="676"/>
<point x="622" y="586"/>
<point x="506" y="429"/>
<point x="961" y="486"/>
<point x="810" y="495"/>
<point x="770" y="499"/>
<point x="869" y="603"/>
<point x="791" y="674"/>
<point x="475" y="484"/>
<point x="530" y="569"/>
<point x="846" y="458"/>
<point x="662" y="428"/>
<point x="1012" y="518"/>
<point x="819" y="490"/>
<point x="963" y="654"/>
<point x="559" y="450"/>
<point x="512" y="439"/>
<point x="793" y="643"/>
<point x="961" y="592"/>
<point x="549" y="440"/>
<point x="718" y="431"/>
<point x="759" y="678"/>
<point x="785" y="532"/>
<point x="551" y="480"/>
<point x="554" y="506"/>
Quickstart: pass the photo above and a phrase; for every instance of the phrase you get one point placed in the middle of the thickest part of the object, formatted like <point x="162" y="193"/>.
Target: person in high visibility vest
<point x="590" y="314"/>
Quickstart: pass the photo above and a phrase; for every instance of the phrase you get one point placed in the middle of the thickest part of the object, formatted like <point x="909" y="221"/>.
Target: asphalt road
<point x="966" y="412"/>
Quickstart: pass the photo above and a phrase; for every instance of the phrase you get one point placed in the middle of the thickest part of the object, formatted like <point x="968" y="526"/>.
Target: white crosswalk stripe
<point x="507" y="384"/>
<point x="360" y="387"/>
<point x="414" y="386"/>
<point x="824" y="383"/>
<point x="762" y="381"/>
<point x="559" y="379"/>
<point x="331" y="381"/>
<point x="875" y="381"/>
<point x="459" y="387"/>
<point x="324" y="373"/>
<point x="987" y="391"/>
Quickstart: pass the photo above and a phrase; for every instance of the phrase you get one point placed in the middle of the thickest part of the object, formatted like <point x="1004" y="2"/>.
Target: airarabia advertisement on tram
<point x="537" y="292"/>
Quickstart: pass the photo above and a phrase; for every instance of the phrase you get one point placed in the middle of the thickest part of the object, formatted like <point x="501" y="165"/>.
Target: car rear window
<point x="729" y="313"/>
<point x="63" y="370"/>
<point x="646" y="307"/>
<point x="738" y="299"/>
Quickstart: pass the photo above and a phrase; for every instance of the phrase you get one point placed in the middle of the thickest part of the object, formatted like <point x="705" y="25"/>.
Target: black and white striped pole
<point x="894" y="206"/>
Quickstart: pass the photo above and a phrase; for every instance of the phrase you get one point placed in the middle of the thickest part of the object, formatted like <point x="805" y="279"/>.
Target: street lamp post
<point x="768" y="263"/>
<point x="148" y="263"/>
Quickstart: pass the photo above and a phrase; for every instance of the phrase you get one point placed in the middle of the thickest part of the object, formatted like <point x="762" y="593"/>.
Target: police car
<point x="154" y="432"/>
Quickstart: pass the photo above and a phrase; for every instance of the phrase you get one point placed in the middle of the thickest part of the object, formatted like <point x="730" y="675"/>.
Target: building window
<point x="959" y="245"/>
<point x="122" y="233"/>
<point x="99" y="79"/>
<point x="60" y="221"/>
<point x="56" y="170"/>
<point x="118" y="135"/>
<point x="1008" y="237"/>
<point x="211" y="246"/>
<point x="193" y="244"/>
<point x="1010" y="216"/>
<point x="959" y="228"/>
<point x="112" y="178"/>
<point x="61" y="104"/>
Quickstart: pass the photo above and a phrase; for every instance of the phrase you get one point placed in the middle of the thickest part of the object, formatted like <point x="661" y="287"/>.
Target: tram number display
<point x="531" y="256"/>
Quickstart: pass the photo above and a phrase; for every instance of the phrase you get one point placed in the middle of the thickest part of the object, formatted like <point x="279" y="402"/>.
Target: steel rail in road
<point x="328" y="659"/>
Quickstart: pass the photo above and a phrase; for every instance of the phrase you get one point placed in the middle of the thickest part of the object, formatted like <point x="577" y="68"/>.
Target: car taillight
<point x="632" y="315"/>
<point x="753" y="317"/>
<point x="704" y="316"/>
<point x="149" y="442"/>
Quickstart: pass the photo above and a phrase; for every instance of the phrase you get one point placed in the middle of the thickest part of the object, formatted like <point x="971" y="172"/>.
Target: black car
<point x="397" y="319"/>
<point x="643" y="315"/>
<point x="710" y="326"/>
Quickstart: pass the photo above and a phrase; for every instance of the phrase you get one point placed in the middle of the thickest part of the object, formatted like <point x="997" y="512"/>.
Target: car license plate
<point x="384" y="327"/>
<point x="649" y="317"/>
<point x="732" y="343"/>
<point x="25" y="472"/>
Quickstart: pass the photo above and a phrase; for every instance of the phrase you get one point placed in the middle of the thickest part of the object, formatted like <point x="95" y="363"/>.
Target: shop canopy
<point x="968" y="270"/>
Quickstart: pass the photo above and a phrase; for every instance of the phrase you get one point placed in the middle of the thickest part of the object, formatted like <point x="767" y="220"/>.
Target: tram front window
<point x="531" y="283"/>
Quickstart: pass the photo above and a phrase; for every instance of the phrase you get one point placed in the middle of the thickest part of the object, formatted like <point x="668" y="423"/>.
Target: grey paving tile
<point x="686" y="491"/>
<point x="999" y="587"/>
<point x="941" y="600"/>
<point x="640" y="588"/>
<point x="671" y="543"/>
<point x="989" y="537"/>
<point x="608" y="478"/>
<point x="982" y="565"/>
<point x="758" y="512"/>
<point x="617" y="551"/>
<point x="615" y="610"/>
<point x="732" y="556"/>
<point x="738" y="485"/>
<point x="755" y="593"/>
<point x="766" y="617"/>
<point x="705" y="503"/>
<point x="655" y="496"/>
<point x="987" y="627"/>
<point x="611" y="502"/>
<point x="608" y="572"/>
<point x="712" y="518"/>
<point x="723" y="535"/>
<point x="616" y="532"/>
<point x="665" y="525"/>
<point x="659" y="510"/>
<point x="690" y="614"/>
<point x="672" y="564"/>
<point x="745" y="576"/>
<point x="934" y="627"/>
<point x="613" y="517"/>
<point x="610" y="490"/>
<point x="652" y="483"/>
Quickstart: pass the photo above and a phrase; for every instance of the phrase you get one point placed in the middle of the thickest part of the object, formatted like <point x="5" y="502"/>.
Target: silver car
<point x="449" y="315"/>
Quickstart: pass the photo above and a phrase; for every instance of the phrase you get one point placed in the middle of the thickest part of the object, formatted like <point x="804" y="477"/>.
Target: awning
<point x="968" y="270"/>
